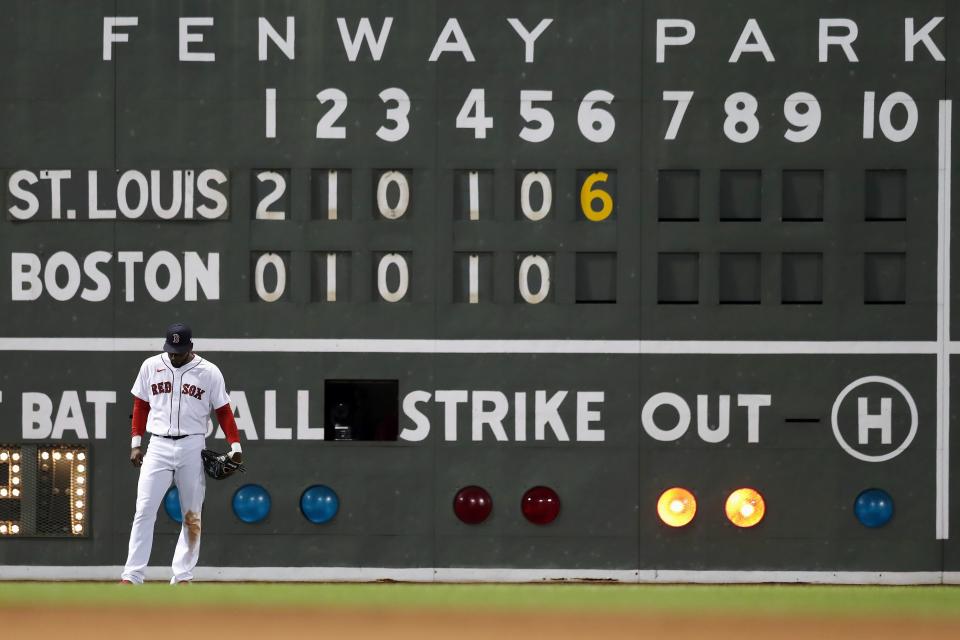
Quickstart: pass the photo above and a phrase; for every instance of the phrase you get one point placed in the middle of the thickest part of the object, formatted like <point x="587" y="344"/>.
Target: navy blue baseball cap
<point x="178" y="338"/>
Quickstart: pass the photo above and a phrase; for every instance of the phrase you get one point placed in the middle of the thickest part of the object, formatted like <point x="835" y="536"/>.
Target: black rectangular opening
<point x="886" y="195"/>
<point x="678" y="278"/>
<point x="679" y="195"/>
<point x="596" y="278"/>
<point x="739" y="278"/>
<point x="361" y="409"/>
<point x="740" y="195"/>
<point x="801" y="278"/>
<point x="803" y="195"/>
<point x="885" y="278"/>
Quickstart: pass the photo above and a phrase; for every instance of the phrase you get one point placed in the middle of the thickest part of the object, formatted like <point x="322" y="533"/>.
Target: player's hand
<point x="136" y="456"/>
<point x="235" y="456"/>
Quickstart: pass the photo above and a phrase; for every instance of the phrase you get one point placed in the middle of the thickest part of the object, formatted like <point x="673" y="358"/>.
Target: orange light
<point x="676" y="507"/>
<point x="745" y="507"/>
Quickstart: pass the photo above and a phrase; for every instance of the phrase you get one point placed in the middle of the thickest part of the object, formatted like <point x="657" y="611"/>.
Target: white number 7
<point x="682" y="98"/>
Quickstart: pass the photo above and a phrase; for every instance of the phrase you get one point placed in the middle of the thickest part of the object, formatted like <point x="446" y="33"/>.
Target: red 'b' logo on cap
<point x="176" y="338"/>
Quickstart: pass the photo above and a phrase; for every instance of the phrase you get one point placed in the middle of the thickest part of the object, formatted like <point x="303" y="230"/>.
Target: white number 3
<point x="397" y="114"/>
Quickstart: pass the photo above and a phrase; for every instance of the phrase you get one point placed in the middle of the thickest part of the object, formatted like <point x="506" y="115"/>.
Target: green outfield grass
<point x="937" y="601"/>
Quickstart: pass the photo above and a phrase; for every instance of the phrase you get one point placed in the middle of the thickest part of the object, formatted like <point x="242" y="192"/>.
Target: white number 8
<point x="741" y="108"/>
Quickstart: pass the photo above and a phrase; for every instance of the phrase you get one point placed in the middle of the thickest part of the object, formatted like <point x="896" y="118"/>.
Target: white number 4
<point x="478" y="121"/>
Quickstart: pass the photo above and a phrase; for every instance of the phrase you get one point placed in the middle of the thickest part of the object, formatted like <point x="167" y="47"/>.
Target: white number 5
<point x="539" y="115"/>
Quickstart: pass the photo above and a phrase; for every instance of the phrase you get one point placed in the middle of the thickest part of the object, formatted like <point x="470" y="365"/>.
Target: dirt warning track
<point x="189" y="622"/>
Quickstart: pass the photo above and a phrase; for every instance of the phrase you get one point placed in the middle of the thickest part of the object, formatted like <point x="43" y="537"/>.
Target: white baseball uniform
<point x="180" y="400"/>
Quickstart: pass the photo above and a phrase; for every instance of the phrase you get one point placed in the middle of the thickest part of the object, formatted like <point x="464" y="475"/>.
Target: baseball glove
<point x="218" y="465"/>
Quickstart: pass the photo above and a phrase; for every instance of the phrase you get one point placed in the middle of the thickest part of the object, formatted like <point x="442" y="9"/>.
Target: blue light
<point x="319" y="504"/>
<point x="171" y="504"/>
<point x="251" y="503"/>
<point x="873" y="508"/>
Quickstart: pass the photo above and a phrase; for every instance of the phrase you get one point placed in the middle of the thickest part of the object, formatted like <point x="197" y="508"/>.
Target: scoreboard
<point x="500" y="290"/>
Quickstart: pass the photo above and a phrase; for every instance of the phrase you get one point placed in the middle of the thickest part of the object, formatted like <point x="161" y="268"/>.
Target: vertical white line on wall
<point x="331" y="277"/>
<point x="474" y="279"/>
<point x="270" y="113"/>
<point x="331" y="195"/>
<point x="943" y="321"/>
<point x="474" y="190"/>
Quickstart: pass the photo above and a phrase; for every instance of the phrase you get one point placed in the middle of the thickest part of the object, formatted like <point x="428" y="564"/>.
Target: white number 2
<point x="325" y="127"/>
<point x="279" y="188"/>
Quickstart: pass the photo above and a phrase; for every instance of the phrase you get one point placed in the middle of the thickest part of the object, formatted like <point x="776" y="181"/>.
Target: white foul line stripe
<point x="495" y="575"/>
<point x="583" y="347"/>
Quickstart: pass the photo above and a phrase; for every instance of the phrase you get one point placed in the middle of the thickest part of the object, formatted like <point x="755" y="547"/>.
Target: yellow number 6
<point x="588" y="195"/>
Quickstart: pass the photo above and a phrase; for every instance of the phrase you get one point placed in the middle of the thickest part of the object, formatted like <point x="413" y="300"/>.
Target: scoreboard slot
<point x="331" y="197"/>
<point x="884" y="278"/>
<point x="740" y="195"/>
<point x="678" y="195"/>
<point x="596" y="278"/>
<point x="886" y="195"/>
<point x="802" y="195"/>
<point x="801" y="278"/>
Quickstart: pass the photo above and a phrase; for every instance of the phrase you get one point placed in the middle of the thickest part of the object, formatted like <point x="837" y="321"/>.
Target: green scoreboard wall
<point x="607" y="248"/>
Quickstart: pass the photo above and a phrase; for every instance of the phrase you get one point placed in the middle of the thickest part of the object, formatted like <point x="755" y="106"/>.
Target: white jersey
<point x="180" y="399"/>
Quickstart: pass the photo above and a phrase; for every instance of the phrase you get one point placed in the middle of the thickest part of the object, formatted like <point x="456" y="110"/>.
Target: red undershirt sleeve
<point x="227" y="423"/>
<point x="138" y="426"/>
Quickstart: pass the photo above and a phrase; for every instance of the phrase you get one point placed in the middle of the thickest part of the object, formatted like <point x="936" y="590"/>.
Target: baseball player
<point x="172" y="398"/>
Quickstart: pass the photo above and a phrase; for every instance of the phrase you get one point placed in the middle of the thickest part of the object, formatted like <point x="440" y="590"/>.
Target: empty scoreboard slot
<point x="801" y="278"/>
<point x="596" y="278"/>
<point x="361" y="410"/>
<point x="802" y="195"/>
<point x="740" y="195"/>
<point x="884" y="278"/>
<point x="678" y="278"/>
<point x="885" y="198"/>
<point x="678" y="195"/>
<point x="739" y="278"/>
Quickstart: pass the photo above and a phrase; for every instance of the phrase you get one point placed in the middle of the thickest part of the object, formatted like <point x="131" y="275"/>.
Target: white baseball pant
<point x="168" y="460"/>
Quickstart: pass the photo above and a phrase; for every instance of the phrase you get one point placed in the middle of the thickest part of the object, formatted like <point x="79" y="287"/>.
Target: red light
<point x="540" y="505"/>
<point x="472" y="504"/>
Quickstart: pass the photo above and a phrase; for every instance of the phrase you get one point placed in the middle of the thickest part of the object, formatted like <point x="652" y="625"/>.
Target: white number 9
<point x="806" y="121"/>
